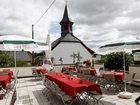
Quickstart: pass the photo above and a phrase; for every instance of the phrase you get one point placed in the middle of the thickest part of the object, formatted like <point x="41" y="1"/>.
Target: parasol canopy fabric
<point x="119" y="47"/>
<point x="19" y="43"/>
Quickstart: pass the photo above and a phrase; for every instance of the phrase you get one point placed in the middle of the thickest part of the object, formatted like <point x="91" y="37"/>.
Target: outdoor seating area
<point x="107" y="79"/>
<point x="36" y="92"/>
<point x="6" y="77"/>
<point x="70" y="89"/>
<point x="47" y="58"/>
<point x="68" y="69"/>
<point x="39" y="72"/>
<point x="110" y="81"/>
<point x="74" y="87"/>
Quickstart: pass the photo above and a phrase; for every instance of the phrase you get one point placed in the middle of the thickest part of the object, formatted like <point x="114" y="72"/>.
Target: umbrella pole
<point x="15" y="57"/>
<point x="125" y="94"/>
<point x="124" y="70"/>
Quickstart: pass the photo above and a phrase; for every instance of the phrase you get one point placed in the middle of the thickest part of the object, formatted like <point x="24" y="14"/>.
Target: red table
<point x="9" y="72"/>
<point x="119" y="76"/>
<point x="72" y="86"/>
<point x="5" y="79"/>
<point x="40" y="70"/>
<point x="93" y="72"/>
<point x="72" y="68"/>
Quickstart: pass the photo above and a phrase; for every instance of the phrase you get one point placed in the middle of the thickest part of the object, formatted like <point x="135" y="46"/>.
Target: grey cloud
<point x="97" y="41"/>
<point x="134" y="10"/>
<point x="18" y="15"/>
<point x="98" y="11"/>
<point x="130" y="28"/>
<point x="96" y="16"/>
<point x="92" y="46"/>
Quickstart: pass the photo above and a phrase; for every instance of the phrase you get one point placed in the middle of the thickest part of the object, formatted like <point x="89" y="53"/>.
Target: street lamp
<point x="32" y="38"/>
<point x="32" y="31"/>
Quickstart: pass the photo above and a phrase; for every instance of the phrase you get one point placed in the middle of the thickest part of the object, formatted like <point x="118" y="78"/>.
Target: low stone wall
<point x="27" y="71"/>
<point x="23" y="71"/>
<point x="134" y="69"/>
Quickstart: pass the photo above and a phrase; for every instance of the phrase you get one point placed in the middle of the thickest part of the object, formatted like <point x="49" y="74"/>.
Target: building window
<point x="66" y="27"/>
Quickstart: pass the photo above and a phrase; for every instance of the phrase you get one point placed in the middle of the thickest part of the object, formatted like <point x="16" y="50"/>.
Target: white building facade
<point x="65" y="49"/>
<point x="67" y="44"/>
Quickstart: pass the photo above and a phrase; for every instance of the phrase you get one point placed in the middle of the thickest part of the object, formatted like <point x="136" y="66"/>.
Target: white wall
<point x="97" y="66"/>
<point x="23" y="71"/>
<point x="65" y="49"/>
<point x="21" y="55"/>
<point x="133" y="69"/>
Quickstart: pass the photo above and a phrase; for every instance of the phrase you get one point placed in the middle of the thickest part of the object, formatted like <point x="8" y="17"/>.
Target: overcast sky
<point x="96" y="22"/>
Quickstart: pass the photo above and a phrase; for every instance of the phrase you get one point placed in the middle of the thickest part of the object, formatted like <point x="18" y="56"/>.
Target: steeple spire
<point x="66" y="2"/>
<point x="66" y="23"/>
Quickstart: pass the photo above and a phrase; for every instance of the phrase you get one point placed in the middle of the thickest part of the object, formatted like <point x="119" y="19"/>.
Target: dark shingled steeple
<point x="67" y="34"/>
<point x="66" y="23"/>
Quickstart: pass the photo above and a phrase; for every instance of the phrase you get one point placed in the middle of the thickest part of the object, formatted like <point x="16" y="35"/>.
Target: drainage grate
<point x="27" y="101"/>
<point x="24" y="97"/>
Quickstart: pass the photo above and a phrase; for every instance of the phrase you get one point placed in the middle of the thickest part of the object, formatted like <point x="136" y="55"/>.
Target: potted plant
<point x="87" y="63"/>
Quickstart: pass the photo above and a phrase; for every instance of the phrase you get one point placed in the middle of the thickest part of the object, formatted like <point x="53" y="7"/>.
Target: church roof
<point x="70" y="38"/>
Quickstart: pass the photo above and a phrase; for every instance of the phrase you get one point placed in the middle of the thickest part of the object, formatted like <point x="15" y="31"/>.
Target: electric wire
<point x="45" y="12"/>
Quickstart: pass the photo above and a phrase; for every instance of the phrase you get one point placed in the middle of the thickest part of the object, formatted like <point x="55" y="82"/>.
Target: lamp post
<point x="32" y="38"/>
<point x="32" y="31"/>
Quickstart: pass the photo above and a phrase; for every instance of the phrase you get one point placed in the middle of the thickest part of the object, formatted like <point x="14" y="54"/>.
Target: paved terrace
<point x="29" y="92"/>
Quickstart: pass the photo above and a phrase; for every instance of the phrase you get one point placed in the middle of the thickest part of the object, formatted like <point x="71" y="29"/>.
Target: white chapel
<point x="68" y="44"/>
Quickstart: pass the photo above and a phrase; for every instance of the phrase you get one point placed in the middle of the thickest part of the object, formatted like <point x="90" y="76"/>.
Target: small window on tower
<point x="66" y="27"/>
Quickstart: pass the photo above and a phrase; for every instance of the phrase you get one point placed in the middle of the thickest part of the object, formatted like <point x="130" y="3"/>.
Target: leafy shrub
<point x="21" y="63"/>
<point x="116" y="61"/>
<point x="38" y="60"/>
<point x="6" y="60"/>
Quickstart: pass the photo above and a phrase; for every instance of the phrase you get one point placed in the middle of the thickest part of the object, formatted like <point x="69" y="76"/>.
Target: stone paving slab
<point x="29" y="92"/>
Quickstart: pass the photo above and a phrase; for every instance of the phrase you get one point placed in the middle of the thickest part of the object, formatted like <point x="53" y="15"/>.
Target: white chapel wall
<point x="65" y="49"/>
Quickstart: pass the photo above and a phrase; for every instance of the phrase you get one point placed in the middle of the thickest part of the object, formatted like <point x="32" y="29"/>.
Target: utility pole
<point x="32" y="38"/>
<point x="32" y="31"/>
<point x="36" y="24"/>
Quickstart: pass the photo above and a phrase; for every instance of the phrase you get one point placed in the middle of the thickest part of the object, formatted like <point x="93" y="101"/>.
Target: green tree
<point x="6" y="59"/>
<point x="38" y="60"/>
<point x="73" y="56"/>
<point x="116" y="60"/>
<point x="79" y="57"/>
